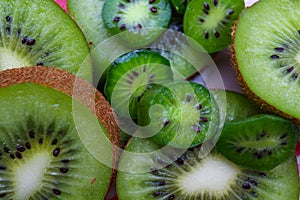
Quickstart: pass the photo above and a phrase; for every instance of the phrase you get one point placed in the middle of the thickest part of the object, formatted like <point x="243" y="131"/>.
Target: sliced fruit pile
<point x="98" y="101"/>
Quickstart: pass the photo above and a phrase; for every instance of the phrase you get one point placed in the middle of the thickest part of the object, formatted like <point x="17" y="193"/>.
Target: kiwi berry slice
<point x="181" y="114"/>
<point x="144" y="20"/>
<point x="260" y="142"/>
<point x="190" y="177"/>
<point x="128" y="76"/>
<point x="209" y="22"/>
<point x="268" y="65"/>
<point x="42" y="155"/>
<point x="41" y="33"/>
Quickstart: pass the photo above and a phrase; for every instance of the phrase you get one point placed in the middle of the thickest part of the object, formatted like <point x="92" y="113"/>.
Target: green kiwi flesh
<point x="266" y="54"/>
<point x="42" y="155"/>
<point x="88" y="15"/>
<point x="190" y="177"/>
<point x="128" y="76"/>
<point x="144" y="20"/>
<point x="210" y="22"/>
<point x="235" y="106"/>
<point x="41" y="33"/>
<point x="180" y="114"/>
<point x="260" y="142"/>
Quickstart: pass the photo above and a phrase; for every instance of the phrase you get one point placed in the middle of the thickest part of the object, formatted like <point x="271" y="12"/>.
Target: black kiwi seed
<point x="65" y="161"/>
<point x="18" y="155"/>
<point x="196" y="129"/>
<point x="203" y="119"/>
<point x="215" y="2"/>
<point x="27" y="145"/>
<point x="283" y="136"/>
<point x="246" y="186"/>
<point x="2" y="195"/>
<point x="63" y="170"/>
<point x="206" y="6"/>
<point x="122" y="27"/>
<point x="12" y="156"/>
<point x="206" y="35"/>
<point x="279" y="49"/>
<point x="153" y="9"/>
<point x="31" y="134"/>
<point x="290" y="69"/>
<point x="166" y="123"/>
<point x="56" y="152"/>
<point x="122" y="6"/>
<point x="54" y="142"/>
<point x="180" y="161"/>
<point x="230" y="12"/>
<point x="188" y="98"/>
<point x="240" y="149"/>
<point x="30" y="42"/>
<point x="298" y="33"/>
<point x="39" y="64"/>
<point x="117" y="19"/>
<point x="199" y="106"/>
<point x="6" y="150"/>
<point x="8" y="30"/>
<point x="8" y="19"/>
<point x="56" y="191"/>
<point x="274" y="56"/>
<point x="201" y="20"/>
<point x="3" y="167"/>
<point x="20" y="148"/>
<point x="152" y="1"/>
<point x="24" y="39"/>
<point x="41" y="141"/>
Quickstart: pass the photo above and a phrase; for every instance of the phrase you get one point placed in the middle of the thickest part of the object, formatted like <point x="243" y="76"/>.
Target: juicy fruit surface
<point x="180" y="114"/>
<point x="190" y="177"/>
<point x="267" y="53"/>
<point x="261" y="142"/>
<point x="142" y="18"/>
<point x="210" y="22"/>
<point x="41" y="152"/>
<point x="88" y="15"/>
<point x="128" y="76"/>
<point x="41" y="33"/>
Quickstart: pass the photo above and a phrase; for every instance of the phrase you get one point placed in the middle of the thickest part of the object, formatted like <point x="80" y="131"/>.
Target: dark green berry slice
<point x="180" y="114"/>
<point x="267" y="55"/>
<point x="209" y="22"/>
<point x="128" y="76"/>
<point x="260" y="142"/>
<point x="41" y="33"/>
<point x="42" y="153"/>
<point x="191" y="177"/>
<point x="144" y="20"/>
<point x="180" y="5"/>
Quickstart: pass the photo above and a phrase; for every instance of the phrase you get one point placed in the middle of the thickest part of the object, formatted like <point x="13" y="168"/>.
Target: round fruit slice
<point x="41" y="33"/>
<point x="260" y="142"/>
<point x="180" y="114"/>
<point x="210" y="22"/>
<point x="144" y="20"/>
<point x="190" y="177"/>
<point x="267" y="54"/>
<point x="128" y="76"/>
<point x="42" y="155"/>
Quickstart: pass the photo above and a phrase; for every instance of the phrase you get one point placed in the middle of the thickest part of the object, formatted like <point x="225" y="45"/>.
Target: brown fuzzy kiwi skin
<point x="247" y="90"/>
<point x="64" y="82"/>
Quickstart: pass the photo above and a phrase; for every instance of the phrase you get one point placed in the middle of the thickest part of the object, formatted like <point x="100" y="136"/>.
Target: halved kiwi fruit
<point x="191" y="177"/>
<point x="144" y="20"/>
<point x="41" y="33"/>
<point x="180" y="114"/>
<point x="42" y="155"/>
<point x="260" y="142"/>
<point x="128" y="77"/>
<point x="266" y="54"/>
<point x="209" y="22"/>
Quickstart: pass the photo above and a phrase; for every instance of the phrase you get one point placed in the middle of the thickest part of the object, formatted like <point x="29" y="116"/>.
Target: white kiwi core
<point x="9" y="59"/>
<point x="213" y="175"/>
<point x="29" y="175"/>
<point x="136" y="12"/>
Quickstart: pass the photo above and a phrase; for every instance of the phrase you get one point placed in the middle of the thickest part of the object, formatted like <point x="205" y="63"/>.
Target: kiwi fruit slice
<point x="88" y="15"/>
<point x="181" y="114"/>
<point x="42" y="155"/>
<point x="41" y="33"/>
<point x="190" y="177"/>
<point x="235" y="106"/>
<point x="128" y="76"/>
<point x="209" y="22"/>
<point x="260" y="142"/>
<point x="179" y="5"/>
<point x="268" y="65"/>
<point x="143" y="20"/>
